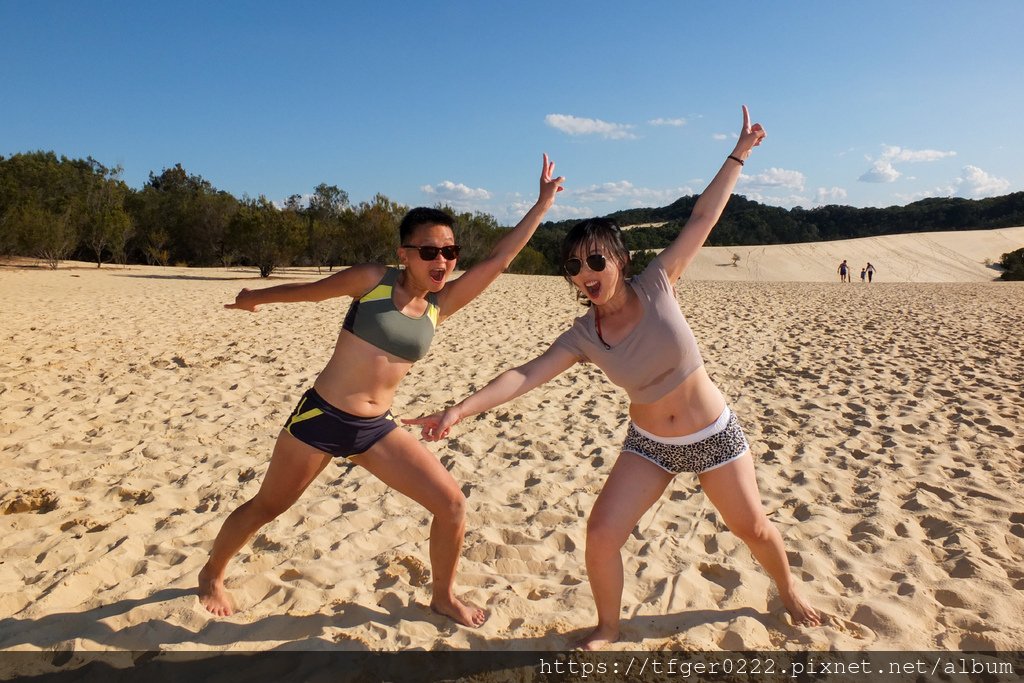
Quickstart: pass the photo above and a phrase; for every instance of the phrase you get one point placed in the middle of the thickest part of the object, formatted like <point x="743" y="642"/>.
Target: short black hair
<point x="423" y="215"/>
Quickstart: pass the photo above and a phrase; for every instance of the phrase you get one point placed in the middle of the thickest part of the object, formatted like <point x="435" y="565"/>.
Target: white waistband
<point x="712" y="429"/>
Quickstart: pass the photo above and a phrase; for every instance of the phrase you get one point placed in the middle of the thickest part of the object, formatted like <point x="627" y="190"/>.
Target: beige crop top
<point x="656" y="356"/>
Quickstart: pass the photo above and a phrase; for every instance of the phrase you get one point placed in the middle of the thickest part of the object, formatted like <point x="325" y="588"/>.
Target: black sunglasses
<point x="595" y="262"/>
<point x="427" y="253"/>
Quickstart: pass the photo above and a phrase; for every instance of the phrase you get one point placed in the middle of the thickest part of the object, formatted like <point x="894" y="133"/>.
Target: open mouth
<point x="592" y="288"/>
<point x="437" y="275"/>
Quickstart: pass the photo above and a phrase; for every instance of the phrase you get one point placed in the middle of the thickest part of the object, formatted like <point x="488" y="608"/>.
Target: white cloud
<point x="785" y="201"/>
<point x="829" y="195"/>
<point x="774" y="177"/>
<point x="719" y="136"/>
<point x="574" y="125"/>
<point x="880" y="172"/>
<point x="447" y="190"/>
<point x="625" y="191"/>
<point x="883" y="171"/>
<point x="667" y="122"/>
<point x="977" y="183"/>
<point x="517" y="208"/>
<point x="893" y="153"/>
<point x="974" y="183"/>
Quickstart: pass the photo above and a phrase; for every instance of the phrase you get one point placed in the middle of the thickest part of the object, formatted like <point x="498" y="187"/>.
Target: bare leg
<point x="633" y="486"/>
<point x="293" y="466"/>
<point x="403" y="463"/>
<point x="732" y="489"/>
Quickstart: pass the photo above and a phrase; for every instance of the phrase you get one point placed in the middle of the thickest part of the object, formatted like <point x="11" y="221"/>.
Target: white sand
<point x="886" y="422"/>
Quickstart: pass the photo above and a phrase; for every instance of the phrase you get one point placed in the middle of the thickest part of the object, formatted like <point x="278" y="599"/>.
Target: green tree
<point x="326" y="215"/>
<point x="372" y="234"/>
<point x="187" y="211"/>
<point x="46" y="234"/>
<point x="530" y="262"/>
<point x="1013" y="263"/>
<point x="266" y="237"/>
<point x="106" y="226"/>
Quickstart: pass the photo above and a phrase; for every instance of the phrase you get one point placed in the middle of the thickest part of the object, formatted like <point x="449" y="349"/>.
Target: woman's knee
<point x="451" y="507"/>
<point x="604" y="535"/>
<point x="263" y="509"/>
<point x="752" y="529"/>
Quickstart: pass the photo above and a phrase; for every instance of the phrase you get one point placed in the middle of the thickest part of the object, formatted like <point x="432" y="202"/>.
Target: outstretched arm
<point x="709" y="207"/>
<point x="502" y="389"/>
<point x="353" y="281"/>
<point x="475" y="280"/>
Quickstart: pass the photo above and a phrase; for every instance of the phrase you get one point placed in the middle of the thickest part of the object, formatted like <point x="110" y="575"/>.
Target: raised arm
<point x="353" y="281"/>
<point x="502" y="389"/>
<point x="475" y="280"/>
<point x="709" y="207"/>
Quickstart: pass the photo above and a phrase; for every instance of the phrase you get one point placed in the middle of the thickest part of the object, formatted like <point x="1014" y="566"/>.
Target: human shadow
<point x="310" y="645"/>
<point x="54" y="631"/>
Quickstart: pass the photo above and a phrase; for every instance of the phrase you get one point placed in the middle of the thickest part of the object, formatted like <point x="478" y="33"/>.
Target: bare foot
<point x="214" y="595"/>
<point x="799" y="609"/>
<point x="598" y="638"/>
<point x="458" y="611"/>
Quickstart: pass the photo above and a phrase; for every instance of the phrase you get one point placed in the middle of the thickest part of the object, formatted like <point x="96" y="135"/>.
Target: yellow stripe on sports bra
<point x="433" y="312"/>
<point x="377" y="293"/>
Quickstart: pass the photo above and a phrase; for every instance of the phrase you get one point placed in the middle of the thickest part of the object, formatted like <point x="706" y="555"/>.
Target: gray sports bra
<point x="374" y="318"/>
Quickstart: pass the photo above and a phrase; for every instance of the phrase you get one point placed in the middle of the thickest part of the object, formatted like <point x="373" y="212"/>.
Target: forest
<point x="55" y="208"/>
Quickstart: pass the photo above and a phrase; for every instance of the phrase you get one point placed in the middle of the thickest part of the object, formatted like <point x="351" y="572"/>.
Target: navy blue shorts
<point x="319" y="424"/>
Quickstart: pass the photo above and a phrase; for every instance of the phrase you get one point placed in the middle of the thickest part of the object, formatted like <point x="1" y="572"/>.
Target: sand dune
<point x="923" y="257"/>
<point x="886" y="422"/>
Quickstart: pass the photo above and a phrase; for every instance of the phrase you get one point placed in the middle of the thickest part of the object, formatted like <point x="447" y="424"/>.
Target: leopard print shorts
<point x="720" y="442"/>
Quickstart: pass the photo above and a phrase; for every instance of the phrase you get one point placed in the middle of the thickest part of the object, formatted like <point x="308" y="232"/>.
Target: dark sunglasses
<point x="595" y="262"/>
<point x="451" y="252"/>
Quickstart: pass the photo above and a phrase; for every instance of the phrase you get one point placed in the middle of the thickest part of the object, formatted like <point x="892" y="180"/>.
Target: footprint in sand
<point x="948" y="598"/>
<point x="31" y="500"/>
<point x="1000" y="430"/>
<point x="87" y="525"/>
<point x="728" y="579"/>
<point x="943" y="494"/>
<point x="845" y="626"/>
<point x="139" y="497"/>
<point x="937" y="528"/>
<point x="419" y="573"/>
<point x="263" y="542"/>
<point x="210" y="502"/>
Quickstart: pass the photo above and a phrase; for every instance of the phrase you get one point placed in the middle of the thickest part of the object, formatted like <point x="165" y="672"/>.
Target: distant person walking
<point x="863" y="271"/>
<point x="870" y="271"/>
<point x="844" y="272"/>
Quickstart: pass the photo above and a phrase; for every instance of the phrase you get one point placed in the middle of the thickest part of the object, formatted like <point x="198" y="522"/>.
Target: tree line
<point x="56" y="208"/>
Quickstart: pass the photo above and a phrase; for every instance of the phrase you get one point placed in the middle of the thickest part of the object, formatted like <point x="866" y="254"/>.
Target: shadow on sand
<point x="310" y="648"/>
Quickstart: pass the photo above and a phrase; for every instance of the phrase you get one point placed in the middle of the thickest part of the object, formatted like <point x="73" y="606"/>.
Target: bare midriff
<point x="360" y="379"/>
<point x="687" y="409"/>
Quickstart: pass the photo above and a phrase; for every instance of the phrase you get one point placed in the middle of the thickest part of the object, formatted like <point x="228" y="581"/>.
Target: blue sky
<point x="865" y="104"/>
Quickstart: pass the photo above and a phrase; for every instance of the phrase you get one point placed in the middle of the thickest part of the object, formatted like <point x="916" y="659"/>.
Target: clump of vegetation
<point x="638" y="260"/>
<point x="1013" y="263"/>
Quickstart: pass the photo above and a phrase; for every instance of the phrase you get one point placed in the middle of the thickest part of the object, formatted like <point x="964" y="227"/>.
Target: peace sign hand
<point x="549" y="186"/>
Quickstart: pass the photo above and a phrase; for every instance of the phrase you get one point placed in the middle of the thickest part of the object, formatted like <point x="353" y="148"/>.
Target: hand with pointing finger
<point x="750" y="136"/>
<point x="436" y="426"/>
